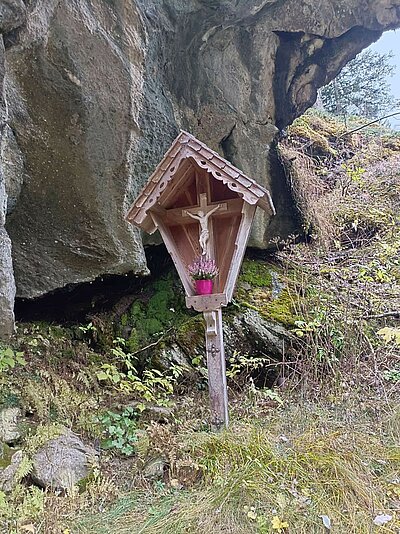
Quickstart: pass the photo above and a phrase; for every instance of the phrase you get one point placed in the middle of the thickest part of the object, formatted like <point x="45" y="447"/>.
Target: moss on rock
<point x="190" y="334"/>
<point x="256" y="290"/>
<point x="256" y="273"/>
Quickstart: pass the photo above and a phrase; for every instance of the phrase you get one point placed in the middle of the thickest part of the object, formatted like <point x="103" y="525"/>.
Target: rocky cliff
<point x="12" y="15"/>
<point x="95" y="91"/>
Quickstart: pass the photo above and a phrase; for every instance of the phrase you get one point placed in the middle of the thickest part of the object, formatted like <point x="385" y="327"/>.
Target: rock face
<point x="12" y="15"/>
<point x="98" y="90"/>
<point x="74" y="83"/>
<point x="62" y="462"/>
<point x="7" y="286"/>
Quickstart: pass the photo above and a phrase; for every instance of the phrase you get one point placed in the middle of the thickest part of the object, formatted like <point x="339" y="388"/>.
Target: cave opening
<point x="75" y="302"/>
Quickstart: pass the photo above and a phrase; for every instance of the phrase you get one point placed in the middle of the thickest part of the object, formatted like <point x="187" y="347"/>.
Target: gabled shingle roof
<point x="187" y="146"/>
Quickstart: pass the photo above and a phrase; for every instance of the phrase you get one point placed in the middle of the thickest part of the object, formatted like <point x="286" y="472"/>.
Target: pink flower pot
<point x="204" y="287"/>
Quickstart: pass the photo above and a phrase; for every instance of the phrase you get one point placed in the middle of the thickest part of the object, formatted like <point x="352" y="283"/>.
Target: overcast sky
<point x="390" y="41"/>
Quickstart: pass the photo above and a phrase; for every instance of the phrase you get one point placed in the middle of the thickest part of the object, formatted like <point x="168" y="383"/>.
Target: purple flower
<point x="203" y="269"/>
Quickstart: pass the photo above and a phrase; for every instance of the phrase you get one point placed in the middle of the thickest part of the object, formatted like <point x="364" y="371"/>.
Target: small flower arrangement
<point x="203" y="269"/>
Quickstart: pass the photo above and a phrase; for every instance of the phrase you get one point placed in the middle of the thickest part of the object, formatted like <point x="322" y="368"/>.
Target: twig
<point x="152" y="344"/>
<point x="369" y="124"/>
<point x="387" y="314"/>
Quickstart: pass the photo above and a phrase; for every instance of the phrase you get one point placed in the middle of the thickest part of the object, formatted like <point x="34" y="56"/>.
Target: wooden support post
<point x="216" y="369"/>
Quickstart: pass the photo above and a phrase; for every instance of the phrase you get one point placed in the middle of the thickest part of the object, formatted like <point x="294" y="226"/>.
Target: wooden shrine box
<point x="191" y="175"/>
<point x="202" y="204"/>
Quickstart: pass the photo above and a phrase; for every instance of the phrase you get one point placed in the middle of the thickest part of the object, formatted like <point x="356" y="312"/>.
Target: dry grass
<point x="298" y="463"/>
<point x="314" y="198"/>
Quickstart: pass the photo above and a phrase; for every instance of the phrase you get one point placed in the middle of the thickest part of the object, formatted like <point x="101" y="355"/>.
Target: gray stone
<point x="7" y="476"/>
<point x="271" y="336"/>
<point x="12" y="14"/>
<point x="173" y="355"/>
<point x="250" y="333"/>
<point x="98" y="90"/>
<point x="9" y="425"/>
<point x="13" y="169"/>
<point x="277" y="285"/>
<point x="7" y="287"/>
<point x="158" y="413"/>
<point x="154" y="469"/>
<point x="62" y="462"/>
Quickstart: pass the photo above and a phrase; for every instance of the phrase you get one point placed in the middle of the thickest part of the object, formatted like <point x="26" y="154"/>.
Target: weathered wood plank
<point x="242" y="237"/>
<point x="216" y="370"/>
<point x="169" y="243"/>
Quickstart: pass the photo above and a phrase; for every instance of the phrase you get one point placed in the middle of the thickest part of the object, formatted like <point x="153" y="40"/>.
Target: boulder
<point x="12" y="14"/>
<point x="7" y="283"/>
<point x="98" y="90"/>
<point x="160" y="414"/>
<point x="62" y="462"/>
<point x="261" y="336"/>
<point x="9" y="425"/>
<point x="155" y="469"/>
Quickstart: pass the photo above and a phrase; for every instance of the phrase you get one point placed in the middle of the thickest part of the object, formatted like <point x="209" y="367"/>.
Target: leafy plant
<point x="10" y="358"/>
<point x="119" y="430"/>
<point x="354" y="173"/>
<point x="243" y="365"/>
<point x="152" y="386"/>
<point x="390" y="335"/>
<point x="87" y="328"/>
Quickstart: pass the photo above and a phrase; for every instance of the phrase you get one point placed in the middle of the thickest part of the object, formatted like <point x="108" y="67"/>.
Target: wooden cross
<point x="177" y="201"/>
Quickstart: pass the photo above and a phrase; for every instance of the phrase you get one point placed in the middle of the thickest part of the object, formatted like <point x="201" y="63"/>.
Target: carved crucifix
<point x="202" y="214"/>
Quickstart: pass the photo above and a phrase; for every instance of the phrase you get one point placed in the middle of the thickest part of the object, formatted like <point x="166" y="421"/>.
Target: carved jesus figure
<point x="202" y="217"/>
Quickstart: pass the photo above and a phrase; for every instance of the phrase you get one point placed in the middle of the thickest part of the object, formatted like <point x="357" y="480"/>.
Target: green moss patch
<point x="256" y="273"/>
<point x="158" y="309"/>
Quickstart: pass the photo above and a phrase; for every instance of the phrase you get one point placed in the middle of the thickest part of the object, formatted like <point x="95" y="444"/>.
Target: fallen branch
<point x="369" y="124"/>
<point x="154" y="344"/>
<point x="387" y="314"/>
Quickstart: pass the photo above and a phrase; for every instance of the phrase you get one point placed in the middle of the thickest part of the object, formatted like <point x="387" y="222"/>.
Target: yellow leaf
<point x="390" y="334"/>
<point x="278" y="524"/>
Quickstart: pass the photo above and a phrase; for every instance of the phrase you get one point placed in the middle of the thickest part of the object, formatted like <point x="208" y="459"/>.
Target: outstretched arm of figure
<point x="192" y="215"/>
<point x="212" y="211"/>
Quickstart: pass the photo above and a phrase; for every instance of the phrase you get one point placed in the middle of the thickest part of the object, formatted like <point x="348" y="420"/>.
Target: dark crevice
<point x="75" y="302"/>
<point x="288" y="219"/>
<point x="12" y="38"/>
<point x="228" y="146"/>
